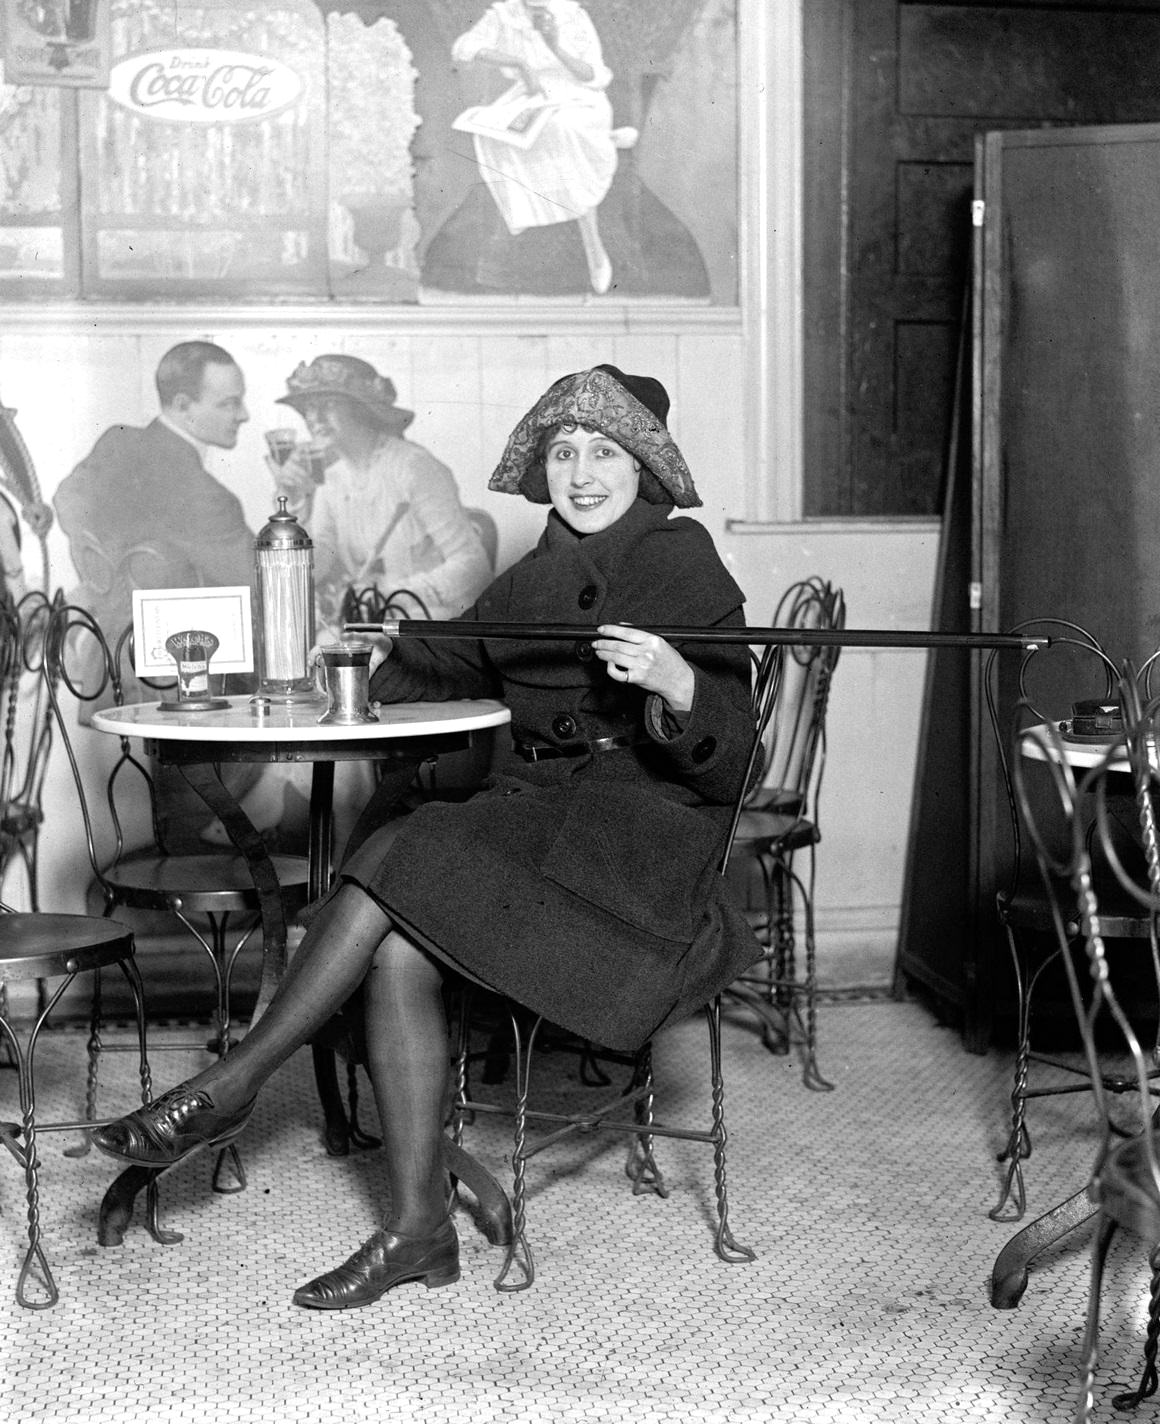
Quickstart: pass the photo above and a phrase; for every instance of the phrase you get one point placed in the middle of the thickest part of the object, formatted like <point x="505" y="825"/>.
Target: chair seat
<point x="770" y="830"/>
<point x="1120" y="916"/>
<point x="1126" y="1192"/>
<point x="784" y="799"/>
<point x="44" y="946"/>
<point x="215" y="881"/>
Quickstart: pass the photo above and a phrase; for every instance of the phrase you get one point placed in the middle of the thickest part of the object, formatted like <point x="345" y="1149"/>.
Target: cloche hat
<point x="631" y="410"/>
<point x="349" y="376"/>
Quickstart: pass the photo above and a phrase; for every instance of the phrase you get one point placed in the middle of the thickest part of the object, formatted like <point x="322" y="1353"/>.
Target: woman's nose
<point x="581" y="471"/>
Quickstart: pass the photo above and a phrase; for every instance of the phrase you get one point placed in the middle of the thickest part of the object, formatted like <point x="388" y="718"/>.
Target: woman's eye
<point x="562" y="453"/>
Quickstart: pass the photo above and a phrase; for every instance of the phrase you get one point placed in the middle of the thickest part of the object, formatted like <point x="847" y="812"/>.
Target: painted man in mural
<point x="142" y="511"/>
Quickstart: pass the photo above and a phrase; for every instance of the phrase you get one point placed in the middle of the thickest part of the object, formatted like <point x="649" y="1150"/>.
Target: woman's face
<point x="591" y="479"/>
<point x="336" y="421"/>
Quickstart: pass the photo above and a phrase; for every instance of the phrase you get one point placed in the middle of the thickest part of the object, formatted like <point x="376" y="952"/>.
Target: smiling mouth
<point x="588" y="501"/>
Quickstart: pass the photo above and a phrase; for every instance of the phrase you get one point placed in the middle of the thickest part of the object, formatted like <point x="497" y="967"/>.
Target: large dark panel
<point x="1065" y="502"/>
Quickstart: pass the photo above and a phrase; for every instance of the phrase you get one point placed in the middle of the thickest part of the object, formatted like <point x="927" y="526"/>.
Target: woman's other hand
<point x="545" y="22"/>
<point x="646" y="661"/>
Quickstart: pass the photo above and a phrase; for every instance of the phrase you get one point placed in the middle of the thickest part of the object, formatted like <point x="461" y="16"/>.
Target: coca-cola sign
<point x="204" y="86"/>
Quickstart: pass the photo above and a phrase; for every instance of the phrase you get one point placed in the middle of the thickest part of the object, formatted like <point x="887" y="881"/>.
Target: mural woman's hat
<point x="348" y="376"/>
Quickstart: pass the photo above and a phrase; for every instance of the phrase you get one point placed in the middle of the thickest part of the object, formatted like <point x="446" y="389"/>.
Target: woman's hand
<point x="646" y="661"/>
<point x="293" y="478"/>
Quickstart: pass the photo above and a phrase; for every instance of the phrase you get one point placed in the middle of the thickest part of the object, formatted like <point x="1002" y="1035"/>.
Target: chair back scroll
<point x="790" y="697"/>
<point x="1072" y="834"/>
<point x="1048" y="681"/>
<point x="79" y="658"/>
<point x="27" y="730"/>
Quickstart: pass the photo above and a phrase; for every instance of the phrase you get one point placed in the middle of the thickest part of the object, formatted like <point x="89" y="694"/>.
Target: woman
<point x="551" y="50"/>
<point x="387" y="512"/>
<point x="582" y="880"/>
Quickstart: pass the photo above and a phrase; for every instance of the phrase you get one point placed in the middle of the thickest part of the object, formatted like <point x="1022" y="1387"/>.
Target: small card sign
<point x="160" y="612"/>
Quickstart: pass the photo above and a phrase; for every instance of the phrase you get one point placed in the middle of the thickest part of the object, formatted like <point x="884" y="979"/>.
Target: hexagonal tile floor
<point x="868" y="1300"/>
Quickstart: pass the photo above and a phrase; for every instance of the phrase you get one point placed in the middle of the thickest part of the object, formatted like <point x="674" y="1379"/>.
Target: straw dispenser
<point x="284" y="608"/>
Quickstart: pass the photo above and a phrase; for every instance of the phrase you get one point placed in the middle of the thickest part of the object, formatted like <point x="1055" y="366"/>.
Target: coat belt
<point x="531" y="752"/>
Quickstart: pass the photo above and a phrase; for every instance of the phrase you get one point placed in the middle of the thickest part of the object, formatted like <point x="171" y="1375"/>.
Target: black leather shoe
<point x="173" y="1127"/>
<point x="387" y="1259"/>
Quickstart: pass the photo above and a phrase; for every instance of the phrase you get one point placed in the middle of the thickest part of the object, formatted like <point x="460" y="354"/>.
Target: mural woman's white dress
<point x="566" y="172"/>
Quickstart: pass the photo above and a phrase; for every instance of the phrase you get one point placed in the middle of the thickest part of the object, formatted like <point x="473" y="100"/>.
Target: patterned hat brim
<point x="597" y="401"/>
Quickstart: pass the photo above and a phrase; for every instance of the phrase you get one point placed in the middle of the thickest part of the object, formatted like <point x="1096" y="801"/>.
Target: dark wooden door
<point x="896" y="92"/>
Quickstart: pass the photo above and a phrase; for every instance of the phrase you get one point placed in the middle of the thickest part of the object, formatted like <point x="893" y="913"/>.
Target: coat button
<point x="564" y="726"/>
<point x="584" y="651"/>
<point x="704" y="749"/>
<point x="588" y="595"/>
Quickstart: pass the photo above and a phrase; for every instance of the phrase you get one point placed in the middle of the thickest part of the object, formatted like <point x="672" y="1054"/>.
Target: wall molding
<point x="119" y="319"/>
<point x="826" y="528"/>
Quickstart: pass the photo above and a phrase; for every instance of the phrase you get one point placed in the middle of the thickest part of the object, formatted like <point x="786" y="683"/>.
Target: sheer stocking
<point x="329" y="965"/>
<point x="408" y="1062"/>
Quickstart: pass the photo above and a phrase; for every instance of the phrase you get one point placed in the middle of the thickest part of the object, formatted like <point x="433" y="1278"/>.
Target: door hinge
<point x="978" y="212"/>
<point x="975" y="597"/>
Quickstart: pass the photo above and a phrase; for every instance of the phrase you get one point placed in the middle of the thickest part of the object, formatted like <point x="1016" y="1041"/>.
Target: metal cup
<point x="345" y="670"/>
<point x="316" y="456"/>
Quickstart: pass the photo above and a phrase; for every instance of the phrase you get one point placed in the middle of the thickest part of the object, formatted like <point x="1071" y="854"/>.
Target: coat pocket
<point x="635" y="855"/>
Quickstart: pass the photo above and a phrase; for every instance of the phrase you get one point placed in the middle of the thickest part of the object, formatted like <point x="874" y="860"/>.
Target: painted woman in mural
<point x="546" y="147"/>
<point x="383" y="512"/>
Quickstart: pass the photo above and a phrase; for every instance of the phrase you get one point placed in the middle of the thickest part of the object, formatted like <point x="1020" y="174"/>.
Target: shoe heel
<point x="446" y="1276"/>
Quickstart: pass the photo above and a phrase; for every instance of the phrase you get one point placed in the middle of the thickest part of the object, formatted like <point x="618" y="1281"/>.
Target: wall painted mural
<point x="393" y="151"/>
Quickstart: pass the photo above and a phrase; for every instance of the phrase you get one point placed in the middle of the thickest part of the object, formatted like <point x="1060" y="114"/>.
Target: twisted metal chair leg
<point x="811" y="1073"/>
<point x="519" y="1254"/>
<point x="1147" y="1385"/>
<point x="93" y="1048"/>
<point x="641" y="1165"/>
<point x="724" y="1243"/>
<point x="21" y="1138"/>
<point x="1086" y="1400"/>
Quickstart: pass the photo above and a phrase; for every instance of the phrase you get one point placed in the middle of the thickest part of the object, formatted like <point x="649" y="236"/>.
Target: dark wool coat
<point x="586" y="888"/>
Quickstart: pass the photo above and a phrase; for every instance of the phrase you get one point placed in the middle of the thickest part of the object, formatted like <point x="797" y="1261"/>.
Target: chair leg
<point x="519" y="1254"/>
<point x="784" y="888"/>
<point x="1012" y="1201"/>
<point x="336" y="1128"/>
<point x="7" y="1052"/>
<point x="726" y="1247"/>
<point x="358" y="1137"/>
<point x="93" y="1057"/>
<point x="20" y="1140"/>
<point x="1086" y="1401"/>
<point x="782" y="937"/>
<point x="1147" y="1385"/>
<point x="811" y="1073"/>
<point x="641" y="1165"/>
